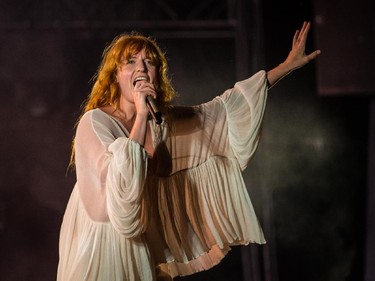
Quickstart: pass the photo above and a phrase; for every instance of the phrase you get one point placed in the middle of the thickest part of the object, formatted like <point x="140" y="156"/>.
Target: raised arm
<point x="296" y="58"/>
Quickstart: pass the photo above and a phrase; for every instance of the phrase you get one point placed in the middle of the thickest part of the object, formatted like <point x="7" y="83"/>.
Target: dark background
<point x="308" y="180"/>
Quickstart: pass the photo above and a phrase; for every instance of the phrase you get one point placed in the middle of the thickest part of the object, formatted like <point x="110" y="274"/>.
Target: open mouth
<point x="140" y="78"/>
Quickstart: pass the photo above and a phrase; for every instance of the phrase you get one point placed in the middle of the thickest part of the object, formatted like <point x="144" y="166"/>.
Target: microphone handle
<point x="152" y="107"/>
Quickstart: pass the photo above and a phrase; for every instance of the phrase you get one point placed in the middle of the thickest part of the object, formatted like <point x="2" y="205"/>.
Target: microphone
<point x="152" y="107"/>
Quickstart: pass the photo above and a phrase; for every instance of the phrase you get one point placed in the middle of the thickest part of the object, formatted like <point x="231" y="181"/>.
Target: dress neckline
<point x="151" y="125"/>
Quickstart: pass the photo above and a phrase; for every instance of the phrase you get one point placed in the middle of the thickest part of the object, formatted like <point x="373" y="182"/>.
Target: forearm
<point x="138" y="131"/>
<point x="277" y="73"/>
<point x="125" y="181"/>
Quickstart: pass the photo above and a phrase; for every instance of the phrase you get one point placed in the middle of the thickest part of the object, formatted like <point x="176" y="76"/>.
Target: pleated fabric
<point x="131" y="217"/>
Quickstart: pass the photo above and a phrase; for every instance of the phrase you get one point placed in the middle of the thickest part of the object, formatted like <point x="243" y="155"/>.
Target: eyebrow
<point x="135" y="56"/>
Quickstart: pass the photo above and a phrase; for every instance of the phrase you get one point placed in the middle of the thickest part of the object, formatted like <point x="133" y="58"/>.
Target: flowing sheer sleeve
<point x="245" y="105"/>
<point x="111" y="173"/>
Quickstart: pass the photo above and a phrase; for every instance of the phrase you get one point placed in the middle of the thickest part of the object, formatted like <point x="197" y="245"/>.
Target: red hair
<point x="106" y="90"/>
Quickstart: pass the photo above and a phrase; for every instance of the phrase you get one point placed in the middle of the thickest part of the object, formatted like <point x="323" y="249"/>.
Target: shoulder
<point x="95" y="116"/>
<point x="95" y="120"/>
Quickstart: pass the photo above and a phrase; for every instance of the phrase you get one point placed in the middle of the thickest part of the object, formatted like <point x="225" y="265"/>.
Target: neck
<point x="125" y="111"/>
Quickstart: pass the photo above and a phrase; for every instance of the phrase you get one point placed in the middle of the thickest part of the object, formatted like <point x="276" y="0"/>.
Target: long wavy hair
<point x="106" y="90"/>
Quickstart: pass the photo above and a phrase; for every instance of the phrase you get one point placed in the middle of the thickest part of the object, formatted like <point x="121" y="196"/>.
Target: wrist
<point x="285" y="68"/>
<point x="142" y="116"/>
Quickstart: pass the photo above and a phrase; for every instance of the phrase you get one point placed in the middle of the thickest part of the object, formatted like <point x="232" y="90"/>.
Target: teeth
<point x="141" y="78"/>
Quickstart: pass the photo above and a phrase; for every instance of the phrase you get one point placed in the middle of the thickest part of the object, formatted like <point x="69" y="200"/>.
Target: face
<point x="134" y="69"/>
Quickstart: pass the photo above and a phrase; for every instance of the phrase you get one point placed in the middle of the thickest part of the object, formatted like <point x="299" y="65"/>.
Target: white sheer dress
<point x="130" y="216"/>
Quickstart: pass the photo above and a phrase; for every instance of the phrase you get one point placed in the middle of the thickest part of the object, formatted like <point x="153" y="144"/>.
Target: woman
<point x="154" y="201"/>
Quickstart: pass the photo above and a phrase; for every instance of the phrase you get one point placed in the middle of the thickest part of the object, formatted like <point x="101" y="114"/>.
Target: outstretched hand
<point x="297" y="56"/>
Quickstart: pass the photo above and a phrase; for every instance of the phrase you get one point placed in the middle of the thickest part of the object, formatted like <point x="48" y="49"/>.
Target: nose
<point x="141" y="66"/>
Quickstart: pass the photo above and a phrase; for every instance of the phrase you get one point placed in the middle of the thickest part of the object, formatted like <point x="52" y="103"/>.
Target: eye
<point x="150" y="62"/>
<point x="130" y="61"/>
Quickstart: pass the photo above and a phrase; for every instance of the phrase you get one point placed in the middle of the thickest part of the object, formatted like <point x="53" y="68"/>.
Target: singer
<point x="159" y="189"/>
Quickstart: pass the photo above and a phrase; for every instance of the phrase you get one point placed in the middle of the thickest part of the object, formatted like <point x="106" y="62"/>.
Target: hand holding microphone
<point x="152" y="107"/>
